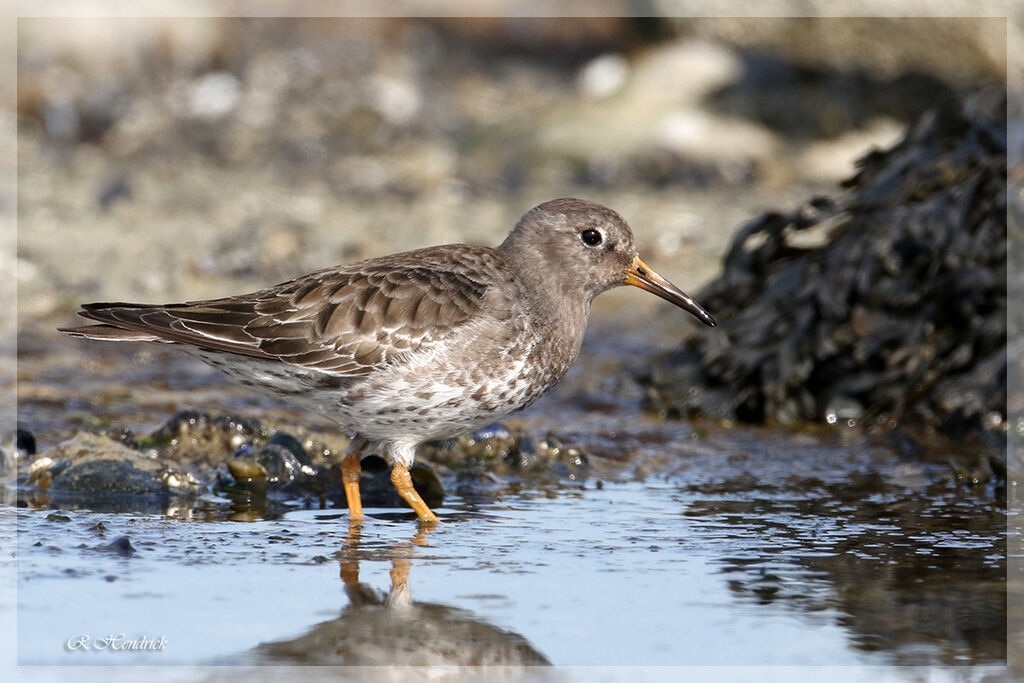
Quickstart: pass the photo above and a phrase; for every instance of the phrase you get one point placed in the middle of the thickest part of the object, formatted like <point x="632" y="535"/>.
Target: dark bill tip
<point x="640" y="275"/>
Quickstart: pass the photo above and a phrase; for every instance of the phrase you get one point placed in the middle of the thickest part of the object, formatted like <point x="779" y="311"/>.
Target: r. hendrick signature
<point x="115" y="641"/>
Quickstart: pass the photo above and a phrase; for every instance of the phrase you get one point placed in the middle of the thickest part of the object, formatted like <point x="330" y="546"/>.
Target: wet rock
<point x="248" y="472"/>
<point x="124" y="436"/>
<point x="109" y="476"/>
<point x="193" y="434"/>
<point x="94" y="465"/>
<point x="122" y="545"/>
<point x="886" y="304"/>
<point x="280" y="462"/>
<point x="495" y="430"/>
<point x="288" y="443"/>
<point x="496" y="450"/>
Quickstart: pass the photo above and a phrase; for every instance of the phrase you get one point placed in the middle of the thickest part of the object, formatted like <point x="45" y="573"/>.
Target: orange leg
<point x="402" y="480"/>
<point x="400" y="573"/>
<point x="350" y="471"/>
<point x="349" y="553"/>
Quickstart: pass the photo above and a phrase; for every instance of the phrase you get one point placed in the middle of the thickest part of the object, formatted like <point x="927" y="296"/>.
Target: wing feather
<point x="343" y="321"/>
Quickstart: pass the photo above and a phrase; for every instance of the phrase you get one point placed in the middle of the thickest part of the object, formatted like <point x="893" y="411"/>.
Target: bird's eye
<point x="591" y="237"/>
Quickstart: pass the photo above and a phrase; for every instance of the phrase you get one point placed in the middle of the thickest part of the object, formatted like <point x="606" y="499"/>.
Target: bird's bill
<point x="641" y="275"/>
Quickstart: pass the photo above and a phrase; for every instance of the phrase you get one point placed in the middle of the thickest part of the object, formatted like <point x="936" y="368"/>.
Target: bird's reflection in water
<point x="390" y="628"/>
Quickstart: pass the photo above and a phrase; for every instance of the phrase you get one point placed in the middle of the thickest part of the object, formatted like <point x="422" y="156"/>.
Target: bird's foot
<point x="402" y="480"/>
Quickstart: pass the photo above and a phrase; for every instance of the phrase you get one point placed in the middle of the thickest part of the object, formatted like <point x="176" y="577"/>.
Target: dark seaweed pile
<point x="896" y="316"/>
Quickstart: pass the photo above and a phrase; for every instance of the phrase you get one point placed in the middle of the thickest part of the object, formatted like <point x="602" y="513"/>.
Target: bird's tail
<point x="110" y="316"/>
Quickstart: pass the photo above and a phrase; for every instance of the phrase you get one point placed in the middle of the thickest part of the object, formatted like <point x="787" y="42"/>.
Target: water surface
<point x="699" y="544"/>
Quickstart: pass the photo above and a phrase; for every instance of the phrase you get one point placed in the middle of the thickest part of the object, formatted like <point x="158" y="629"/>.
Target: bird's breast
<point x="499" y="370"/>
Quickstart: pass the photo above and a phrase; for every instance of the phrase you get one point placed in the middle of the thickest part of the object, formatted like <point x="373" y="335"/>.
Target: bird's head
<point x="586" y="246"/>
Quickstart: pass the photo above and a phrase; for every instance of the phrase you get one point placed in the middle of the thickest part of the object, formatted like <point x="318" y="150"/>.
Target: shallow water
<point x="629" y="573"/>
<point x="701" y="544"/>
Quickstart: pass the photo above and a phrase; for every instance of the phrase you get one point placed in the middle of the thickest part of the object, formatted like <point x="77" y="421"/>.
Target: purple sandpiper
<point x="416" y="346"/>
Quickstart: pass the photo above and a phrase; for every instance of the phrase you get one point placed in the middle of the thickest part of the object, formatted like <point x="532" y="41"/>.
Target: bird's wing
<point x="345" y="321"/>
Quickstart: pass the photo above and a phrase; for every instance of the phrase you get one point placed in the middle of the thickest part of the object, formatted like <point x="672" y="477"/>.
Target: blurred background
<point x="164" y="159"/>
